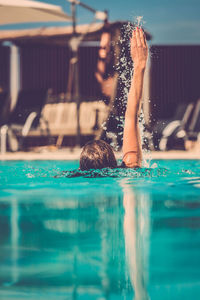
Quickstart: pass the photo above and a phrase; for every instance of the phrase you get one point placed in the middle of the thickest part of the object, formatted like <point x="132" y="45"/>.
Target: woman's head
<point x="97" y="155"/>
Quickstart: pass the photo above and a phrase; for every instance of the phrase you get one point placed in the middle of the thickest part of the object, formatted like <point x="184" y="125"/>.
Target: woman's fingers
<point x="139" y="49"/>
<point x="142" y="38"/>
<point x="134" y="43"/>
<point x="138" y="39"/>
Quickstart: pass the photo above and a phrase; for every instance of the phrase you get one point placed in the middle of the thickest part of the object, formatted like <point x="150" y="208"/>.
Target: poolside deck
<point x="44" y="153"/>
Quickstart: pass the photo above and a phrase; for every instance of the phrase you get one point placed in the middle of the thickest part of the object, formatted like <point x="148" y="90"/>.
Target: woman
<point x="98" y="154"/>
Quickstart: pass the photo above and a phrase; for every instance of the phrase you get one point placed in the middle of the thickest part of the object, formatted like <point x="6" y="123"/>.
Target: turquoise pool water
<point x="122" y="235"/>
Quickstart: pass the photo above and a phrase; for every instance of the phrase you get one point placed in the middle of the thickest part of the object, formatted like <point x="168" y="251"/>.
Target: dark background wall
<point x="174" y="74"/>
<point x="48" y="67"/>
<point x="5" y="68"/>
<point x="174" y="78"/>
<point x="4" y="83"/>
<point x="44" y="67"/>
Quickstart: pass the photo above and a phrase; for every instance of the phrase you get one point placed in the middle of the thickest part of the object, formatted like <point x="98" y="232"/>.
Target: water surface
<point x="113" y="234"/>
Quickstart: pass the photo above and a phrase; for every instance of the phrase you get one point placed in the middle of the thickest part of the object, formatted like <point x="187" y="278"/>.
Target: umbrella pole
<point x="73" y="90"/>
<point x="73" y="78"/>
<point x="73" y="10"/>
<point x="77" y="95"/>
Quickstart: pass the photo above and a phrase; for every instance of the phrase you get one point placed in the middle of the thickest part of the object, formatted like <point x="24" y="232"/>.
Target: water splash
<point x="115" y="173"/>
<point x="125" y="69"/>
<point x="146" y="153"/>
<point x="111" y="135"/>
<point x="139" y="22"/>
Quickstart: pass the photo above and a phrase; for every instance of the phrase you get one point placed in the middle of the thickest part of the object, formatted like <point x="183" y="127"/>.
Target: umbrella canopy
<point x="25" y="11"/>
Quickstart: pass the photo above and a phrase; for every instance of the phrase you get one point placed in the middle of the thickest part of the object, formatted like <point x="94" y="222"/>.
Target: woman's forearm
<point x="135" y="94"/>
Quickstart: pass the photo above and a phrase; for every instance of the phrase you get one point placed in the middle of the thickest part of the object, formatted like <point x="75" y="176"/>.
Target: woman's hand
<point x="139" y="49"/>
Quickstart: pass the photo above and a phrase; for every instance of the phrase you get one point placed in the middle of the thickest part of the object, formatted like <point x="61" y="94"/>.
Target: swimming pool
<point x="121" y="235"/>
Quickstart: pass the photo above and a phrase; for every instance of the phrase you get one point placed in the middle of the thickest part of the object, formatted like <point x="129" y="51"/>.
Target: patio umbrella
<point x="26" y="11"/>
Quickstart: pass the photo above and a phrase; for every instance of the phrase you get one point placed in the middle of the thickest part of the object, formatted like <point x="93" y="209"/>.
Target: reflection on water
<point x="136" y="233"/>
<point x="14" y="239"/>
<point x="100" y="238"/>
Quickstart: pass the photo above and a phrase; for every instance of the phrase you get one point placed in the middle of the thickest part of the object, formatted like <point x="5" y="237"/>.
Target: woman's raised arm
<point x="132" y="152"/>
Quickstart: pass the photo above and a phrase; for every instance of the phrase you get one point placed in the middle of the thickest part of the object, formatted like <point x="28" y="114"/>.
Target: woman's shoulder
<point x="132" y="159"/>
